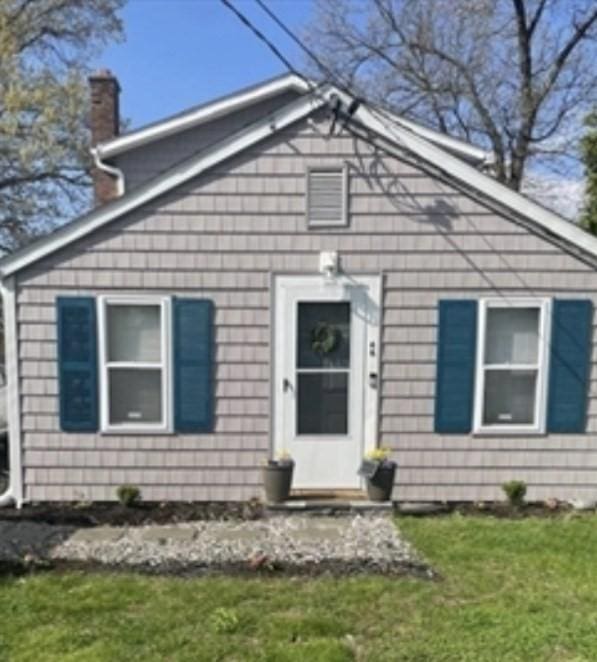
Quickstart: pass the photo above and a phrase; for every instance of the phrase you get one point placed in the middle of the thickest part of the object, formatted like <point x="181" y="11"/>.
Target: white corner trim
<point x="484" y="184"/>
<point x="204" y="114"/>
<point x="14" y="494"/>
<point x="544" y="339"/>
<point x="373" y="366"/>
<point x="111" y="170"/>
<point x="224" y="149"/>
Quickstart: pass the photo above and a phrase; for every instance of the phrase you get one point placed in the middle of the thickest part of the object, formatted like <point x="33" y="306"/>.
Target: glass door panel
<point x="323" y="367"/>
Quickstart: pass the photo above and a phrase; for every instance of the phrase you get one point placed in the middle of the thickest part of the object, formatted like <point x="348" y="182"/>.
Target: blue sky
<point x="178" y="53"/>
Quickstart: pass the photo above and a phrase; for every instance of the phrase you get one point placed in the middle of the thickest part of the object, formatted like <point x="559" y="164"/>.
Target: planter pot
<point x="277" y="479"/>
<point x="380" y="485"/>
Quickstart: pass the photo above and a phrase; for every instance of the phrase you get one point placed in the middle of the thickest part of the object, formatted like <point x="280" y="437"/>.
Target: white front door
<point x="326" y="373"/>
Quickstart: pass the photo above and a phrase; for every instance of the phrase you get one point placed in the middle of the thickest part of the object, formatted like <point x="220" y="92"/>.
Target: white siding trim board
<point x="14" y="493"/>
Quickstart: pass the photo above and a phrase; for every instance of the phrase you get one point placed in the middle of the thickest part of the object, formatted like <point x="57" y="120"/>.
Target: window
<point x="327" y="190"/>
<point x="134" y="364"/>
<point x="511" y="366"/>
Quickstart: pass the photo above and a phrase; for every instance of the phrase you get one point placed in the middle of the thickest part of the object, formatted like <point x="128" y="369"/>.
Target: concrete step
<point x="332" y="506"/>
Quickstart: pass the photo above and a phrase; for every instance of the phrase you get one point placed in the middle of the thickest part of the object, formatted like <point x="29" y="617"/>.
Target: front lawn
<point x="511" y="590"/>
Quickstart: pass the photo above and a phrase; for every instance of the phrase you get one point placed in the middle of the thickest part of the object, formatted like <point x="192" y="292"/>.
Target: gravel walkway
<point x="307" y="543"/>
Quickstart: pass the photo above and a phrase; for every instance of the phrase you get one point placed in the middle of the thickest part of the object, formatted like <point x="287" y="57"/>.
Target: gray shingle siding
<point x="146" y="162"/>
<point x="221" y="236"/>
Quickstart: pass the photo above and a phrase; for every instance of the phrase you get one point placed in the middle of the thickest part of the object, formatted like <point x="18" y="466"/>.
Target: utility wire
<point x="241" y="17"/>
<point x="326" y="70"/>
<point x="347" y="123"/>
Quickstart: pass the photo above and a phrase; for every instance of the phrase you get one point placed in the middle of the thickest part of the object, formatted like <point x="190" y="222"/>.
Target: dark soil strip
<point x="245" y="570"/>
<point x="115" y="514"/>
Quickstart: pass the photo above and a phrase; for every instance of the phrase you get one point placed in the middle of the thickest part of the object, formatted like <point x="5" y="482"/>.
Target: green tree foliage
<point x="45" y="46"/>
<point x="589" y="157"/>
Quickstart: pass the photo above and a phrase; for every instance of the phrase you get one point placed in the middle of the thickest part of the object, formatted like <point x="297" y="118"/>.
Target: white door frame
<point x="285" y="290"/>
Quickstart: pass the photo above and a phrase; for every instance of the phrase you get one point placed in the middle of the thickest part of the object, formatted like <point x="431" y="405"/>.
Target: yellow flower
<point x="378" y="454"/>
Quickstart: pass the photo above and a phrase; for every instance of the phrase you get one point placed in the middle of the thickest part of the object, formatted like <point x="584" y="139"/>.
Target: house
<point x="270" y="272"/>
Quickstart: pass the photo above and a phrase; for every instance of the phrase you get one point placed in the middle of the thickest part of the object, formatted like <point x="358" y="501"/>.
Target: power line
<point x="326" y="70"/>
<point x="373" y="109"/>
<point x="241" y="17"/>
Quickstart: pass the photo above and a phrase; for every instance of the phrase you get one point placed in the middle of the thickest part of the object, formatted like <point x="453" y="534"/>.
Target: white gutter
<point x="14" y="493"/>
<point x="111" y="170"/>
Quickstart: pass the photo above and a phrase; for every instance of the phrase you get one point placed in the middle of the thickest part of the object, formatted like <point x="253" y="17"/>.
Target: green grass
<point x="511" y="590"/>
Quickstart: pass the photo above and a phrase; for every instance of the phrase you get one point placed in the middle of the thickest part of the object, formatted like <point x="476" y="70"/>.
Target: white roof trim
<point x="226" y="148"/>
<point x="484" y="184"/>
<point x="402" y="137"/>
<point x="234" y="102"/>
<point x="203" y="114"/>
<point x="449" y="142"/>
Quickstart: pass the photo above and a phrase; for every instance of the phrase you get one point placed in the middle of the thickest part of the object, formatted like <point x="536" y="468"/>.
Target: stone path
<point x="306" y="542"/>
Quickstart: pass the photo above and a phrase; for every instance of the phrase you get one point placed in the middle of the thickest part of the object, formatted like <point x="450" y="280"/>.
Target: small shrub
<point x="128" y="495"/>
<point x="515" y="491"/>
<point x="224" y="621"/>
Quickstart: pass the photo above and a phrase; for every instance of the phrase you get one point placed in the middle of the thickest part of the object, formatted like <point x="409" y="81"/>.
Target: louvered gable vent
<point x="326" y="196"/>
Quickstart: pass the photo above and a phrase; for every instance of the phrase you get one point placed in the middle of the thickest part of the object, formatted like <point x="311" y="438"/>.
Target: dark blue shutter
<point x="77" y="364"/>
<point x="193" y="365"/>
<point x="569" y="365"/>
<point x="455" y="383"/>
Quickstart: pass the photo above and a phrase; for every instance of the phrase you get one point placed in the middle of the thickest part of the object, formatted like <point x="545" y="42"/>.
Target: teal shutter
<point x="569" y="365"/>
<point x="193" y="365"/>
<point x="456" y="349"/>
<point x="77" y="364"/>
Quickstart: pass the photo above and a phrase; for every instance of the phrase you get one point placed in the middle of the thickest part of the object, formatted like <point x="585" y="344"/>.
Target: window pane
<point x="135" y="395"/>
<point x="134" y="333"/>
<point x="323" y="334"/>
<point x="322" y="403"/>
<point x="512" y="335"/>
<point x="509" y="397"/>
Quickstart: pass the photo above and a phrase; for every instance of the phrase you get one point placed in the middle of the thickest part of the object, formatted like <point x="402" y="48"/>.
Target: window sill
<point x="115" y="431"/>
<point x="509" y="432"/>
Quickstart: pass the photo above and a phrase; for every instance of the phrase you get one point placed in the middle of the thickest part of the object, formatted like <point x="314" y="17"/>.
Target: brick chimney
<point x="105" y="125"/>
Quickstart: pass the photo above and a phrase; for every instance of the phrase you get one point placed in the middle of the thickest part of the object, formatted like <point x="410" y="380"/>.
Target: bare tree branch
<point x="510" y="74"/>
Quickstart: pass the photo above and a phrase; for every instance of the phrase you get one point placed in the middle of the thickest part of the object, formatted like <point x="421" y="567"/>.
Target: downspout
<point x="111" y="170"/>
<point x="14" y="493"/>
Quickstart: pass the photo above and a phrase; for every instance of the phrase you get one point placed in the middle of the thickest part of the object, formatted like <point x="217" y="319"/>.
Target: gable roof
<point x="253" y="94"/>
<point x="398" y="135"/>
<point x="201" y="114"/>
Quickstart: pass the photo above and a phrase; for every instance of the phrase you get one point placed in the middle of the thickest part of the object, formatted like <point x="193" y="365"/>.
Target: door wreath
<point x="324" y="338"/>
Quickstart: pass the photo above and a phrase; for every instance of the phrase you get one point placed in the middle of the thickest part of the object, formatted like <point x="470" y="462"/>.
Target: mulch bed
<point x="172" y="512"/>
<point x="115" y="514"/>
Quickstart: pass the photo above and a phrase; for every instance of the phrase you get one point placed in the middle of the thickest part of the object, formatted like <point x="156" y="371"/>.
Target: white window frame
<point x="343" y="170"/>
<point x="542" y="366"/>
<point x="165" y="426"/>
